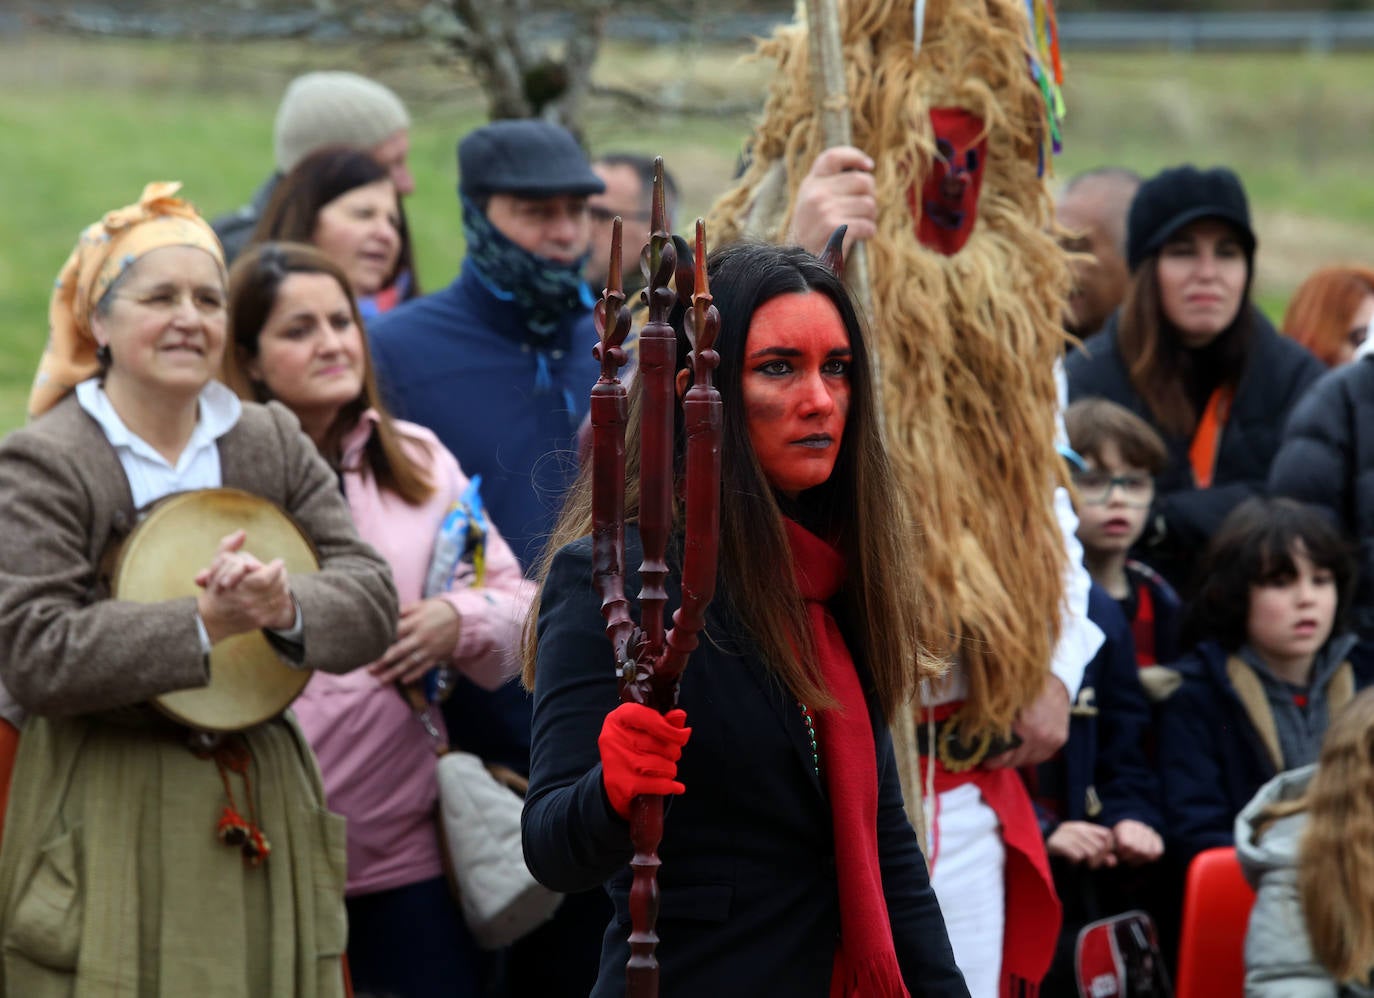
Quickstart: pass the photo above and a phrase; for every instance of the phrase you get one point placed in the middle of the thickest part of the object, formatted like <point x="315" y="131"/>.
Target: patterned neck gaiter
<point x="545" y="290"/>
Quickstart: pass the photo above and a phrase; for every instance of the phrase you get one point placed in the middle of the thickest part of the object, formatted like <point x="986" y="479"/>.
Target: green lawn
<point x="84" y="123"/>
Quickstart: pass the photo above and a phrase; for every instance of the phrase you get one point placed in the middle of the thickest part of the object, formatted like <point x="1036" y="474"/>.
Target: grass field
<point x="84" y="123"/>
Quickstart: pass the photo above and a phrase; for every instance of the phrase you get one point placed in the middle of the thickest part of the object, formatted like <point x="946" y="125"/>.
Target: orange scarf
<point x="1202" y="454"/>
<point x="105" y="250"/>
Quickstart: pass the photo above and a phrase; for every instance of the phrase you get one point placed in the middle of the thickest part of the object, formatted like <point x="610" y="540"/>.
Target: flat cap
<point x="525" y="157"/>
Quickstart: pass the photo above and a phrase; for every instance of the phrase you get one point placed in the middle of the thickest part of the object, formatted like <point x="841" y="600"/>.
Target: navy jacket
<point x="1102" y="775"/>
<point x="748" y="884"/>
<point x="1214" y="753"/>
<point x="461" y="362"/>
<point x="1277" y="372"/>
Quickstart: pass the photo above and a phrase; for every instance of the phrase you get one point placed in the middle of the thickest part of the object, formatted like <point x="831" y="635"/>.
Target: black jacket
<point x="748" y="884"/>
<point x="1277" y="371"/>
<point x="235" y="228"/>
<point x="1327" y="458"/>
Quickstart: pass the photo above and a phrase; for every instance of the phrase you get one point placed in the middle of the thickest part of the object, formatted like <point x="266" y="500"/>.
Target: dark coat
<point x="1277" y="371"/>
<point x="235" y="228"/>
<point x="1218" y="745"/>
<point x="1327" y="459"/>
<point x="1102" y="775"/>
<point x="749" y="892"/>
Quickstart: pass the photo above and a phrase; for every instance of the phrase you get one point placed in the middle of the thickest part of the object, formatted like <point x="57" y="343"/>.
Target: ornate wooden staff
<point x="648" y="660"/>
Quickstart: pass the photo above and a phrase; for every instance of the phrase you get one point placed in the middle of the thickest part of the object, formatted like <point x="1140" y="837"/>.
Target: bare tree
<point x="534" y="59"/>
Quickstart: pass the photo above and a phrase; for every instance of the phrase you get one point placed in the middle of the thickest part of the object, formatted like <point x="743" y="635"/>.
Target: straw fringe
<point x="967" y="342"/>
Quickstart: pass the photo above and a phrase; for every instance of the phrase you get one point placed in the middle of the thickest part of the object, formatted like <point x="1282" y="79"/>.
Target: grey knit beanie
<point x="334" y="108"/>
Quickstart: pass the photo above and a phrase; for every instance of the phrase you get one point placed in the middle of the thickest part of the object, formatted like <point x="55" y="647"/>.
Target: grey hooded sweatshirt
<point x="1278" y="953"/>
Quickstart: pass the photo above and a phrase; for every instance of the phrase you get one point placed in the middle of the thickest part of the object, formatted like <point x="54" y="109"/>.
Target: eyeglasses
<point x="168" y="298"/>
<point x="1095" y="487"/>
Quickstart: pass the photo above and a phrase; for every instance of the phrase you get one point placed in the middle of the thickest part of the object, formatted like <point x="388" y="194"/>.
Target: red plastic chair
<point x="1216" y="911"/>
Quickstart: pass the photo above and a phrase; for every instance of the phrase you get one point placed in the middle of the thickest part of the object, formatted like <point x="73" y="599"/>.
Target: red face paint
<point x="796" y="389"/>
<point x="946" y="206"/>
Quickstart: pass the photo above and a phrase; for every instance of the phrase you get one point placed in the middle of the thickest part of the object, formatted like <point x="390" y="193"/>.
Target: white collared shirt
<point x="150" y="475"/>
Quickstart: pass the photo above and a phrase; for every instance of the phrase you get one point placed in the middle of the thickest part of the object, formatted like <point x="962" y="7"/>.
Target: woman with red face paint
<point x="789" y="865"/>
<point x="1190" y="354"/>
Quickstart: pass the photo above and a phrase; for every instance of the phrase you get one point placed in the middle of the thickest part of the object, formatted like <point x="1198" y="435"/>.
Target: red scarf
<point x="865" y="962"/>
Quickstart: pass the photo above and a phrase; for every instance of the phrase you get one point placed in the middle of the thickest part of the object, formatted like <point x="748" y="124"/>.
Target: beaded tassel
<point x="232" y="756"/>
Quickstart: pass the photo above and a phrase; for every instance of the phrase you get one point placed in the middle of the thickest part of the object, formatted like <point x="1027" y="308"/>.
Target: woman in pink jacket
<point x="297" y="338"/>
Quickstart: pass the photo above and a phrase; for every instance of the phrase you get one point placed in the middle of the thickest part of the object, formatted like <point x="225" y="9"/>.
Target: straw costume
<point x="968" y="287"/>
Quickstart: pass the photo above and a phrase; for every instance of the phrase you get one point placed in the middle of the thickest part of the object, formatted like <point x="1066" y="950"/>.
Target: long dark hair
<point x="1160" y="367"/>
<point x="318" y="179"/>
<point x="254" y="282"/>
<point x="858" y="508"/>
<point x="1253" y="546"/>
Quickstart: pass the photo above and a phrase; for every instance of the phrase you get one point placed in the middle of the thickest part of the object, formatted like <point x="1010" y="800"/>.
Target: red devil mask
<point x="948" y="199"/>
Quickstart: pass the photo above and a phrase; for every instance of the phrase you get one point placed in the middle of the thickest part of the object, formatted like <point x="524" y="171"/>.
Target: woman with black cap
<point x="1191" y="354"/>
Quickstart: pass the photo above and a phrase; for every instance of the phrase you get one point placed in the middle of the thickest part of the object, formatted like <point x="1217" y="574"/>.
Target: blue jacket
<point x="1218" y="745"/>
<point x="461" y="362"/>
<point x="1102" y="775"/>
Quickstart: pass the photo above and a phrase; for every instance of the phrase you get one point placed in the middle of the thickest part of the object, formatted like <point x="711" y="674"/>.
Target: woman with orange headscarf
<point x="115" y="877"/>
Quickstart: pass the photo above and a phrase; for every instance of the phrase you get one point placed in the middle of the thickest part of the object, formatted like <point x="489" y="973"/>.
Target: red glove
<point x="639" y="752"/>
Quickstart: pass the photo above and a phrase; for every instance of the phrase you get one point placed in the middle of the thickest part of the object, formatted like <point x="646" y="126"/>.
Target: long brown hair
<point x="254" y="283"/>
<point x="1336" y="851"/>
<point x="858" y="508"/>
<point x="294" y="208"/>
<point x="1319" y="313"/>
<point x="1159" y="365"/>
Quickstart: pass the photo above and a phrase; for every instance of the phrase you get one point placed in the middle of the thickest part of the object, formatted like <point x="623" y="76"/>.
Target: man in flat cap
<point x="499" y="365"/>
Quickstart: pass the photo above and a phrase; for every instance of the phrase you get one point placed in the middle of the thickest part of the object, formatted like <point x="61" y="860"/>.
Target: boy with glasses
<point x="1120" y="455"/>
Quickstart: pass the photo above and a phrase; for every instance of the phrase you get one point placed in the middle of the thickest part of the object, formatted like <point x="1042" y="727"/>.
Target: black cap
<point x="1177" y="196"/>
<point x="525" y="157"/>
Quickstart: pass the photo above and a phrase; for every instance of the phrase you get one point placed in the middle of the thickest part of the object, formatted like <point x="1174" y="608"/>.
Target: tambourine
<point x="249" y="681"/>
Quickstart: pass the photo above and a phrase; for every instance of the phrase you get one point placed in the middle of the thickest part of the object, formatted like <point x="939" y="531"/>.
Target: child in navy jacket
<point x="1267" y="671"/>
<point x="1098" y="798"/>
<point x="1121" y="454"/>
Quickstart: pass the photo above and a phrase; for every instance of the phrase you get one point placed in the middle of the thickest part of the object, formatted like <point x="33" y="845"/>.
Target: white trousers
<point x="968" y="863"/>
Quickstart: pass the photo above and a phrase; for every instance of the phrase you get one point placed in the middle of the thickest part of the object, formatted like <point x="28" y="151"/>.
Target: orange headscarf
<point x="105" y="250"/>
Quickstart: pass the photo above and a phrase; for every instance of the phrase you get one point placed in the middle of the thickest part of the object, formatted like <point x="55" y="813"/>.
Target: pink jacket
<point x="377" y="759"/>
